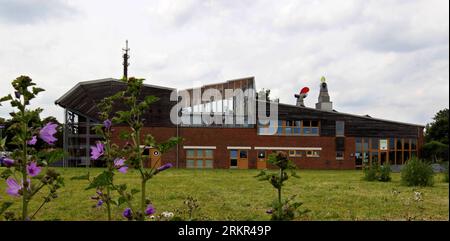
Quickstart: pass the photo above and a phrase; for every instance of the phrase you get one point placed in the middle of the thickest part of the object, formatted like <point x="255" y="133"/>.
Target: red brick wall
<point x="223" y="137"/>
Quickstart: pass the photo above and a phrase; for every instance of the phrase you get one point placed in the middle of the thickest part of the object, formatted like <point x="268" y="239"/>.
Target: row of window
<point x="290" y="127"/>
<point x="301" y="153"/>
<point x="391" y="144"/>
<point x="395" y="151"/>
<point x="199" y="158"/>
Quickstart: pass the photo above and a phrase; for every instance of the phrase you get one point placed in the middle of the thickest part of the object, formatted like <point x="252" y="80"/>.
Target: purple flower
<point x="13" y="187"/>
<point x="123" y="169"/>
<point x="164" y="167"/>
<point x="97" y="150"/>
<point x="17" y="94"/>
<point x="33" y="169"/>
<point x="33" y="141"/>
<point x="8" y="162"/>
<point x="99" y="203"/>
<point x="107" y="124"/>
<point x="47" y="132"/>
<point x="127" y="213"/>
<point x="119" y="163"/>
<point x="150" y="210"/>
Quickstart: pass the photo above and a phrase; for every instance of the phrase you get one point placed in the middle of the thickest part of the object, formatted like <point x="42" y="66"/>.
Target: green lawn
<point x="237" y="195"/>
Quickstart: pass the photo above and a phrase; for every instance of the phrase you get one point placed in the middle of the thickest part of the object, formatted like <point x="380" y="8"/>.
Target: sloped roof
<point x="84" y="96"/>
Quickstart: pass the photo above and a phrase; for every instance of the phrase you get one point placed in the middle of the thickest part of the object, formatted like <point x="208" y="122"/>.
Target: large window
<point x="199" y="158"/>
<point x="290" y="127"/>
<point x="394" y="150"/>
<point x="340" y="128"/>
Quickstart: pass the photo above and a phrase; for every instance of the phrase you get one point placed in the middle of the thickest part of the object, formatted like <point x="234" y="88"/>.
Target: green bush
<point x="370" y="173"/>
<point x="417" y="173"/>
<point x="384" y="174"/>
<point x="377" y="173"/>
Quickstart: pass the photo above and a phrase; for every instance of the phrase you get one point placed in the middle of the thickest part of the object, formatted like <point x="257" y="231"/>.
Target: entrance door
<point x="243" y="159"/>
<point x="155" y="158"/>
<point x="383" y="158"/>
<point x="261" y="163"/>
<point x="239" y="159"/>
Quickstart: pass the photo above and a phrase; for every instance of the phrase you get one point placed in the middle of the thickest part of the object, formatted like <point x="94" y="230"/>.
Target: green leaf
<point x="36" y="90"/>
<point x="134" y="191"/>
<point x="82" y="177"/>
<point x="5" y="98"/>
<point x="5" y="206"/>
<point x="6" y="173"/>
<point x="102" y="180"/>
<point x="121" y="200"/>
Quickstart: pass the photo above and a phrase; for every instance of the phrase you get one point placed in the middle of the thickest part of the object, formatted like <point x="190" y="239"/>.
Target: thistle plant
<point x="27" y="172"/>
<point x="135" y="107"/>
<point x="281" y="209"/>
<point x="105" y="150"/>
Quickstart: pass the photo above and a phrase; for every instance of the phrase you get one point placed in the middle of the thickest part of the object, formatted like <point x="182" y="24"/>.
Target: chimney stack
<point x="324" y="98"/>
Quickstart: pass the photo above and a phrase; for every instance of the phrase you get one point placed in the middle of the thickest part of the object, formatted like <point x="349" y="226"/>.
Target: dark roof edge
<point x="354" y="115"/>
<point x="57" y="102"/>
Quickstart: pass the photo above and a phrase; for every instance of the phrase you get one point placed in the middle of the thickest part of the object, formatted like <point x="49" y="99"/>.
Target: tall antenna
<point x="126" y="56"/>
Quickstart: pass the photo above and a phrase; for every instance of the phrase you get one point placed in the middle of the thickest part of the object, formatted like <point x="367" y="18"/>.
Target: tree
<point x="436" y="137"/>
<point x="438" y="129"/>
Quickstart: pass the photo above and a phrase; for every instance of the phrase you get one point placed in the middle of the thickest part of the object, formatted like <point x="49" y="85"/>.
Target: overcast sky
<point x="388" y="59"/>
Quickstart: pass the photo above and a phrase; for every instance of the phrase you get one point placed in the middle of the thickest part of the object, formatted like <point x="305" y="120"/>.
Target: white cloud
<point x="388" y="59"/>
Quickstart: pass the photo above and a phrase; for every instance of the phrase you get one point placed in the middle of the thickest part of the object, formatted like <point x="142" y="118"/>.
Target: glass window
<point x="314" y="123"/>
<point x="392" y="144"/>
<point x="291" y="153"/>
<point x="406" y="144"/>
<point x="190" y="153"/>
<point x="297" y="127"/>
<point x="358" y="159"/>
<point x="299" y="153"/>
<point x="399" y="158"/>
<point x="307" y="130"/>
<point x="315" y="130"/>
<point x="199" y="163"/>
<point x="288" y="130"/>
<point x="339" y="155"/>
<point x="399" y="144"/>
<point x="306" y="123"/>
<point x="374" y="143"/>
<point x="199" y="152"/>
<point x="340" y="127"/>
<point x="190" y="164"/>
<point x="366" y="144"/>
<point x="406" y="156"/>
<point x="233" y="153"/>
<point x="280" y="130"/>
<point x="413" y="144"/>
<point x="312" y="153"/>
<point x="261" y="154"/>
<point x="208" y="164"/>
<point x="366" y="158"/>
<point x="392" y="157"/>
<point x="243" y="154"/>
<point x="208" y="153"/>
<point x="358" y="142"/>
<point x="374" y="157"/>
<point x="233" y="163"/>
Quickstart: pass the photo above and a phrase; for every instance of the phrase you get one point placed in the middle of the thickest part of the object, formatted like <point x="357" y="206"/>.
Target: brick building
<point x="315" y="138"/>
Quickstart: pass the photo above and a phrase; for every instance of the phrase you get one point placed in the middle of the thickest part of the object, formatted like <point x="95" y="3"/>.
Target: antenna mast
<point x="126" y="56"/>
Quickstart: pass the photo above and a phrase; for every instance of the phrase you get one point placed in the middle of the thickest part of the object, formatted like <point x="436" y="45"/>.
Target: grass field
<point x="237" y="195"/>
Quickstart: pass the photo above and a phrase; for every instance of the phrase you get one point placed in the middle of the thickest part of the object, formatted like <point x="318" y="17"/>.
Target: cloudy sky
<point x="389" y="59"/>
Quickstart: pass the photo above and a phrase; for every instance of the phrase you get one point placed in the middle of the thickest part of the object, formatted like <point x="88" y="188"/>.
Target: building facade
<point x="315" y="138"/>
